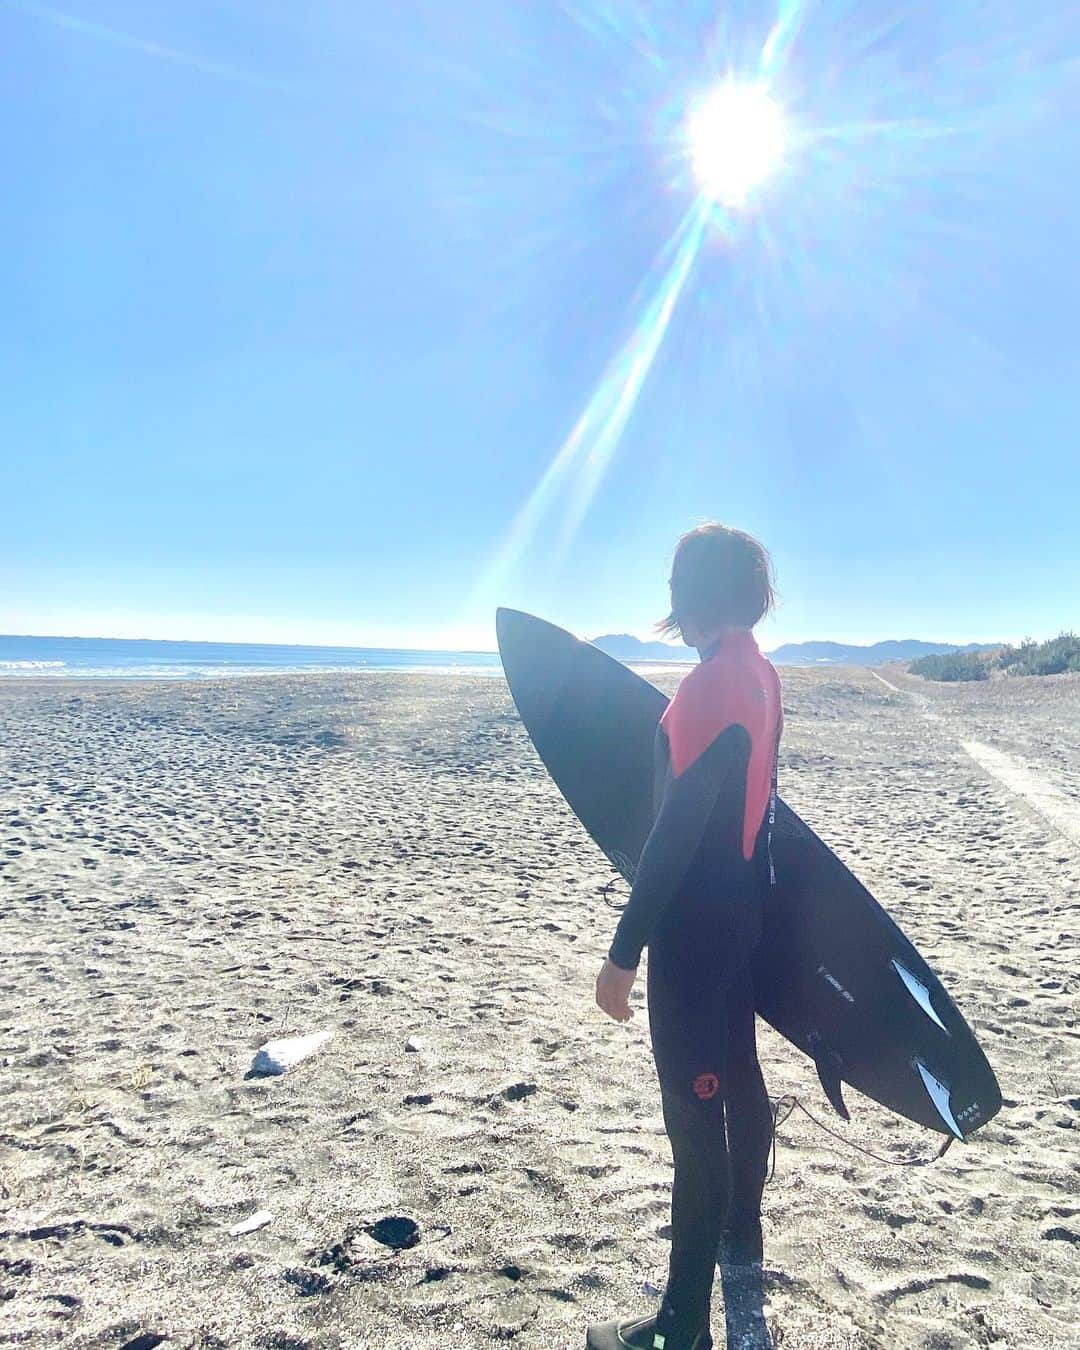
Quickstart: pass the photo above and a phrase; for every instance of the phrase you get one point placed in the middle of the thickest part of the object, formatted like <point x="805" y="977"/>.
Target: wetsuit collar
<point x="730" y="640"/>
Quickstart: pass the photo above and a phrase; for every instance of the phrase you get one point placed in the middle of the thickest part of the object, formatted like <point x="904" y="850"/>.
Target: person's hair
<point x="720" y="577"/>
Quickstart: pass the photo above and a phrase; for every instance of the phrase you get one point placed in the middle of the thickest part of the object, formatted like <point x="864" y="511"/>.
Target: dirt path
<point x="1033" y="782"/>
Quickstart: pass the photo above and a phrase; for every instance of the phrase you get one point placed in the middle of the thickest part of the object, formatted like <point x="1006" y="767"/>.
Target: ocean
<point x="142" y="659"/>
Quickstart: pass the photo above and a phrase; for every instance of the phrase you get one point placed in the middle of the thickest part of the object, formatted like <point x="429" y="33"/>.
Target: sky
<point x="347" y="322"/>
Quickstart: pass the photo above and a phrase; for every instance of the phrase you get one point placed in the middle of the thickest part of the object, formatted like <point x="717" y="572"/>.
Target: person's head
<point x="721" y="578"/>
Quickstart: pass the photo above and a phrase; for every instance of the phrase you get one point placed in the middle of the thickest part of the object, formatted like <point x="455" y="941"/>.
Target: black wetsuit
<point x="697" y="903"/>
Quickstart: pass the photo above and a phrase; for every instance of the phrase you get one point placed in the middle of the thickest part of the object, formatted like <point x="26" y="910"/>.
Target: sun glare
<point x="735" y="136"/>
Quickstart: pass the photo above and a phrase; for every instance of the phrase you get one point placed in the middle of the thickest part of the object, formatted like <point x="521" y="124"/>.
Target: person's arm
<point x="714" y="780"/>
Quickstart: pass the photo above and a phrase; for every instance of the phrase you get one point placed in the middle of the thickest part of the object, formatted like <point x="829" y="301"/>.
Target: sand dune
<point x="189" y="871"/>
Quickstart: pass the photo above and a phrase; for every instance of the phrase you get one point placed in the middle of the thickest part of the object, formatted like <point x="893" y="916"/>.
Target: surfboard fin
<point x="919" y="993"/>
<point x="827" y="1063"/>
<point x="939" y="1094"/>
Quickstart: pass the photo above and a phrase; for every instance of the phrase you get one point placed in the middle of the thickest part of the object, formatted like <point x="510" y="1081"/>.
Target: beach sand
<point x="190" y="870"/>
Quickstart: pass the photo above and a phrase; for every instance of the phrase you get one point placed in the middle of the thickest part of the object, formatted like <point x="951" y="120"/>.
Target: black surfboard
<point x="834" y="974"/>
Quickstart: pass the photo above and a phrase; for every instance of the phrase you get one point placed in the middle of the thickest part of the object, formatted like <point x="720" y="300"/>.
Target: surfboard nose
<point x="510" y="626"/>
<point x="518" y="632"/>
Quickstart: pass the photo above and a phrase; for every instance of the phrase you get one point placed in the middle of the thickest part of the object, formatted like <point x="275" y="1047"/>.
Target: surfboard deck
<point x="833" y="974"/>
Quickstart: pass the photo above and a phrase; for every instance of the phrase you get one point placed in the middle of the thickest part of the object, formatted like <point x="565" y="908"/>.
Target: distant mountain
<point x="626" y="648"/>
<point x="847" y="654"/>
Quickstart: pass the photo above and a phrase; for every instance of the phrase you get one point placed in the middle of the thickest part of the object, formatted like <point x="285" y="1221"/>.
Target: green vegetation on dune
<point x="1042" y="658"/>
<point x="1055" y="657"/>
<point x="952" y="666"/>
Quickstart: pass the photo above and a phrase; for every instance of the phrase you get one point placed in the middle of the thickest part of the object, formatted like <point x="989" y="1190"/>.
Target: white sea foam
<point x="32" y="665"/>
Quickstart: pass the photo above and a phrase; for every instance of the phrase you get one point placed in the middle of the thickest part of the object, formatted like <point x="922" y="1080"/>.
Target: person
<point x="696" y="903"/>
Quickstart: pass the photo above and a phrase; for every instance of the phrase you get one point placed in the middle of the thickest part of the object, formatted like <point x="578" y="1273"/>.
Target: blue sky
<point x="305" y="301"/>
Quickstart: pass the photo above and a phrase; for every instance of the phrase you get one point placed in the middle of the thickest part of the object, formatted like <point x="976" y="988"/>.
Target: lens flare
<point x="736" y="138"/>
<point x="573" y="477"/>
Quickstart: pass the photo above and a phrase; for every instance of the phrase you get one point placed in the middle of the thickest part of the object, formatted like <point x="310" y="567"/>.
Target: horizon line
<point x="469" y="651"/>
<point x="219" y="642"/>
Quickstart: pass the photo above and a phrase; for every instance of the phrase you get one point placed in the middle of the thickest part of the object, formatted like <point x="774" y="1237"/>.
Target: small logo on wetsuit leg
<point x="706" y="1085"/>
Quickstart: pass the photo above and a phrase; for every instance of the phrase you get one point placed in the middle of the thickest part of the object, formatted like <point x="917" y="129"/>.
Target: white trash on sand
<point x="276" y="1056"/>
<point x="259" y="1219"/>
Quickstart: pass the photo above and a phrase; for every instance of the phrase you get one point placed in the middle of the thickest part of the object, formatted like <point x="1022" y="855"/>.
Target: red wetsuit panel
<point x="736" y="686"/>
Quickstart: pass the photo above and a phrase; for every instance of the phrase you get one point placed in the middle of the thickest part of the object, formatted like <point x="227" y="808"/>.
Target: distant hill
<point x="847" y="654"/>
<point x="626" y="648"/>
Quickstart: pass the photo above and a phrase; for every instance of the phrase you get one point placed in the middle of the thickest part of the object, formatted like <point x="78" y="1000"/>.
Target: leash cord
<point x="789" y="1103"/>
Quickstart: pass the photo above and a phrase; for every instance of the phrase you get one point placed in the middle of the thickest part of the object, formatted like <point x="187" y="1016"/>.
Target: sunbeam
<point x="835" y="157"/>
<point x="156" y="50"/>
<point x="779" y="42"/>
<point x="578" y="469"/>
<point x="733" y="136"/>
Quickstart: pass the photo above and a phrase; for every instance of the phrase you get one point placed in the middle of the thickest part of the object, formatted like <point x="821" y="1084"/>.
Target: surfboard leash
<point x="789" y="1103"/>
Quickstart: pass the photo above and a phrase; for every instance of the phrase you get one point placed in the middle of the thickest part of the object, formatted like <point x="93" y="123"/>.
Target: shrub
<point x="1028" y="658"/>
<point x="1042" y="658"/>
<point x="951" y="666"/>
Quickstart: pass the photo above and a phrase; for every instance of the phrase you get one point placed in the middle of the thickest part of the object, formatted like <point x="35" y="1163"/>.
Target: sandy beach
<point x="190" y="870"/>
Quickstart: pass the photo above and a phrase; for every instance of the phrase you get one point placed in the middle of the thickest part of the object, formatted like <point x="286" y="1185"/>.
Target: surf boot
<point x="658" y="1332"/>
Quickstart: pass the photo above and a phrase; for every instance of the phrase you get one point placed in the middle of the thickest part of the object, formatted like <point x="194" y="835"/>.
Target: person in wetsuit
<point x="696" y="903"/>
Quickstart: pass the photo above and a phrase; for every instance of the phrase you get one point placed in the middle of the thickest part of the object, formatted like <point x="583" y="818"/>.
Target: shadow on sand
<point x="744" y="1307"/>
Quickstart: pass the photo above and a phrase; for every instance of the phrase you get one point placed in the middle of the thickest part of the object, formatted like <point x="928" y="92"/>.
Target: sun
<point x="736" y="138"/>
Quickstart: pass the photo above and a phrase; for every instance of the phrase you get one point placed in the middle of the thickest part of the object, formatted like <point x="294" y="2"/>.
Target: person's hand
<point x="613" y="986"/>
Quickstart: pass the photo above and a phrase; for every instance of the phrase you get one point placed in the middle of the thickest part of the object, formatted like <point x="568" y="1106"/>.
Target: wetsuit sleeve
<point x="713" y="782"/>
